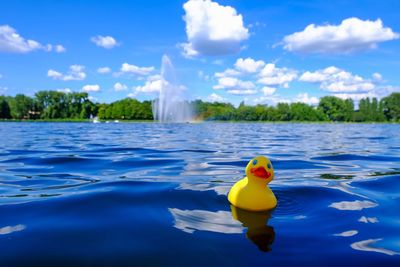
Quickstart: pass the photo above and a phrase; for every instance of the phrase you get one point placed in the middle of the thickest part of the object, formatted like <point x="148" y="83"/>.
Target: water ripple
<point x="132" y="191"/>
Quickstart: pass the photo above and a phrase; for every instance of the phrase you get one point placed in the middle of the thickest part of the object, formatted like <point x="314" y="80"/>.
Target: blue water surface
<point x="151" y="194"/>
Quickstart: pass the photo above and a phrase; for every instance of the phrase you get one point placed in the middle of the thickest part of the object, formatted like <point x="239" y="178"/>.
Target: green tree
<point x="283" y="112"/>
<point x="147" y="112"/>
<point x="21" y="106"/>
<point x="369" y="110"/>
<point x="213" y="111"/>
<point x="304" y="112"/>
<point x="336" y="109"/>
<point x="5" y="112"/>
<point x="391" y="107"/>
<point x="270" y="114"/>
<point x="56" y="105"/>
<point x="75" y="105"/>
<point x="102" y="111"/>
<point x="348" y="109"/>
<point x="246" y="113"/>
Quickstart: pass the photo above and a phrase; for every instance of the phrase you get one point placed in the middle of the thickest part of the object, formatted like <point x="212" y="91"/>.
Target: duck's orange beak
<point x="260" y="172"/>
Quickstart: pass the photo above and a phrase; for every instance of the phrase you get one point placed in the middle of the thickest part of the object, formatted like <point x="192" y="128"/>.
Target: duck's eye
<point x="255" y="162"/>
<point x="269" y="165"/>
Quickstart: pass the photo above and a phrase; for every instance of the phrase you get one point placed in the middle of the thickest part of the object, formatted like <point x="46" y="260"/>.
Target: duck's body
<point x="252" y="197"/>
<point x="252" y="193"/>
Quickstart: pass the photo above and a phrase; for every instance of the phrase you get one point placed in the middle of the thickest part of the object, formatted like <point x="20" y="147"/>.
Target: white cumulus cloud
<point x="215" y="98"/>
<point x="107" y="42"/>
<point x="12" y="42"/>
<point x="268" y="90"/>
<point x="356" y="96"/>
<point x="249" y="65"/>
<point x="250" y="76"/>
<point x="64" y="90"/>
<point x="203" y="76"/>
<point x="271" y="75"/>
<point x="153" y="84"/>
<point x="233" y="83"/>
<point x="271" y="100"/>
<point x="313" y="77"/>
<point x="93" y="99"/>
<point x="212" y="29"/>
<point x="353" y="34"/>
<point x="76" y="72"/>
<point x="378" y="92"/>
<point x="226" y="82"/>
<point x="60" y="49"/>
<point x="377" y="76"/>
<point x="136" y="70"/>
<point x="305" y="98"/>
<point x="227" y="73"/>
<point x="91" y="88"/>
<point x="120" y="87"/>
<point x="337" y="80"/>
<point x="104" y="70"/>
<point x="132" y="95"/>
<point x="242" y="92"/>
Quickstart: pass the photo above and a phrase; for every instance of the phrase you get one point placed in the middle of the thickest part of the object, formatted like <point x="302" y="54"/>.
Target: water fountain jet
<point x="171" y="106"/>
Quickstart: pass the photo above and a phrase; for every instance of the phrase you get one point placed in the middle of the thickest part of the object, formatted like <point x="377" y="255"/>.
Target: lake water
<point x="145" y="194"/>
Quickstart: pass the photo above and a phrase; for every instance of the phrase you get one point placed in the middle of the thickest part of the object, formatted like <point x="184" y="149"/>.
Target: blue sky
<point x="257" y="51"/>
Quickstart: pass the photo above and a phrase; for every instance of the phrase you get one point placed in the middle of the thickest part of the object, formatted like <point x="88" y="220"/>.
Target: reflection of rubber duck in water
<point x="257" y="229"/>
<point x="252" y="193"/>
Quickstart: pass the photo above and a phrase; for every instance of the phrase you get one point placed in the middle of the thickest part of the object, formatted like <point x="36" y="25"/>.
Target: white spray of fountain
<point x="171" y="105"/>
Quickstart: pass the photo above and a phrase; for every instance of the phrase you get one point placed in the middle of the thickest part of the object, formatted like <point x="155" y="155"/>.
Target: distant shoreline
<point x="73" y="120"/>
<point x="205" y="121"/>
<point x="56" y="106"/>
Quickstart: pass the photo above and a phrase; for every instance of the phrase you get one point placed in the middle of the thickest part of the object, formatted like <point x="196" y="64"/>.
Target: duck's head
<point x="260" y="169"/>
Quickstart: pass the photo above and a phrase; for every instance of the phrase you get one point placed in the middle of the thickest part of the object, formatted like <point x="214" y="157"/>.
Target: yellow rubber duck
<point x="252" y="193"/>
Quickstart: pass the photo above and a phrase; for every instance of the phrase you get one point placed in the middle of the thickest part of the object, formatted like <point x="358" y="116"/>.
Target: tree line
<point x="48" y="105"/>
<point x="330" y="108"/>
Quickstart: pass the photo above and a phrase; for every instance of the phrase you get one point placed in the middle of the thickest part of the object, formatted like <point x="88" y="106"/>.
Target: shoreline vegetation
<point x="54" y="106"/>
<point x="209" y="121"/>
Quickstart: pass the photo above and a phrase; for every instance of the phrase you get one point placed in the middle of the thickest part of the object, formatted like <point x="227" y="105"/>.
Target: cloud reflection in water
<point x="10" y="229"/>
<point x="353" y="205"/>
<point x="202" y="220"/>
<point x="364" y="246"/>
